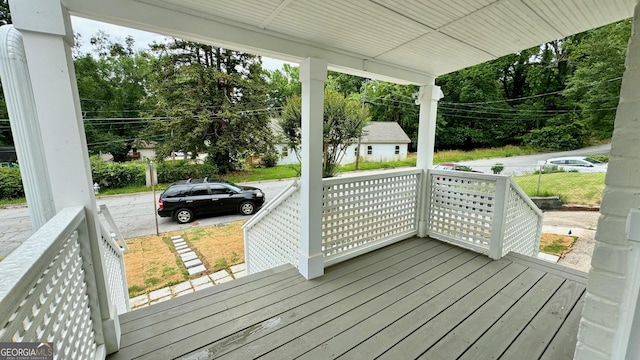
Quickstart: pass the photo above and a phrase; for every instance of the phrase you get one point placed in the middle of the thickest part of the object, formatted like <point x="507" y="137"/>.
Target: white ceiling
<point x="402" y="40"/>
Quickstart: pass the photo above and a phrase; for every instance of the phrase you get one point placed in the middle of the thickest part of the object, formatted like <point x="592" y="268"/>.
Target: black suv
<point x="185" y="199"/>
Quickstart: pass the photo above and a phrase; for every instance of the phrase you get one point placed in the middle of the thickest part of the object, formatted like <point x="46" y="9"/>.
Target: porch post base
<point x="422" y="228"/>
<point x="311" y="266"/>
<point x="111" y="330"/>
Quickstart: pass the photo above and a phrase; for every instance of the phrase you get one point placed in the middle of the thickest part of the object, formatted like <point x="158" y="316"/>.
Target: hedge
<point x="115" y="175"/>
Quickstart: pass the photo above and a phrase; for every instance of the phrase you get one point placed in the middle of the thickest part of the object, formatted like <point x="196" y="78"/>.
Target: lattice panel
<point x="462" y="208"/>
<point x="56" y="309"/>
<point x="363" y="211"/>
<point x="522" y="227"/>
<point x="113" y="263"/>
<point x="275" y="239"/>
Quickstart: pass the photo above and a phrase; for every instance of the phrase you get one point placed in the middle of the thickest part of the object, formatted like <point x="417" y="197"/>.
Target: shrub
<point x="270" y="159"/>
<point x="497" y="168"/>
<point x="10" y="183"/>
<point x="171" y="171"/>
<point x="116" y="175"/>
<point x="600" y="157"/>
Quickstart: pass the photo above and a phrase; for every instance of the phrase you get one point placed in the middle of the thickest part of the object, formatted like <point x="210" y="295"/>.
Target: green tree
<point x="112" y="87"/>
<point x="210" y="100"/>
<point x="343" y="122"/>
<point x="599" y="57"/>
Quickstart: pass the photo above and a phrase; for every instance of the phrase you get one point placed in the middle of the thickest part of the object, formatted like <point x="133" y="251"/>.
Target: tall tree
<point x="343" y="122"/>
<point x="599" y="57"/>
<point x="211" y="100"/>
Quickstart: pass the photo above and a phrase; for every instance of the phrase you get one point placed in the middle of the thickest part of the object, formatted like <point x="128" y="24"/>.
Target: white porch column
<point x="313" y="73"/>
<point x="428" y="100"/>
<point x="608" y="316"/>
<point x="47" y="36"/>
<point x="23" y="118"/>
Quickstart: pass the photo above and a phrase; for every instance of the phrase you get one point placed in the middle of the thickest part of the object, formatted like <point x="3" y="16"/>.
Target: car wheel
<point x="183" y="216"/>
<point x="247" y="208"/>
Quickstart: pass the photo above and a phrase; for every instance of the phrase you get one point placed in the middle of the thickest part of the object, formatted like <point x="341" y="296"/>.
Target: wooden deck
<point x="419" y="298"/>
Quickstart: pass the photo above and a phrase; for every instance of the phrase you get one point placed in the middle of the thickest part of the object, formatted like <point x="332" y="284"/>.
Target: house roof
<point x="384" y="132"/>
<point x="401" y="41"/>
<point x="376" y="132"/>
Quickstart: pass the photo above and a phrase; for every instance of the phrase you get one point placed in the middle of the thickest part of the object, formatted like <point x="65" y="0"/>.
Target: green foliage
<point x="112" y="86"/>
<point x="497" y="168"/>
<point x="10" y="183"/>
<point x="116" y="175"/>
<point x="210" y="101"/>
<point x="270" y="159"/>
<point x="170" y="171"/>
<point x="600" y="157"/>
<point x="563" y="132"/>
<point x="343" y="122"/>
<point x="571" y="187"/>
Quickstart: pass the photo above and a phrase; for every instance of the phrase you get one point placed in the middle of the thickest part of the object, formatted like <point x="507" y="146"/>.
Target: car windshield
<point x="234" y="187"/>
<point x="593" y="161"/>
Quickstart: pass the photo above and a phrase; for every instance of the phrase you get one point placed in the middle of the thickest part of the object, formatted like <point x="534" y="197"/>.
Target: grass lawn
<point x="555" y="244"/>
<point x="152" y="262"/>
<point x="571" y="187"/>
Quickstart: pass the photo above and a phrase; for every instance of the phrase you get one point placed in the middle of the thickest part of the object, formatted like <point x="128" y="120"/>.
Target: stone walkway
<point x="189" y="286"/>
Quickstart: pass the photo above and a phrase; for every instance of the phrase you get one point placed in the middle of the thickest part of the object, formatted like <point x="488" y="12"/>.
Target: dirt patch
<point x="556" y="244"/>
<point x="152" y="262"/>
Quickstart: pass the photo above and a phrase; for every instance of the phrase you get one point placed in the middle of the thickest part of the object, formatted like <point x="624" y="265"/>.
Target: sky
<point x="88" y="28"/>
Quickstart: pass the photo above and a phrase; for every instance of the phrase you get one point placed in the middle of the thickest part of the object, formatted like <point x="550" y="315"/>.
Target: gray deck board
<point x="419" y="298"/>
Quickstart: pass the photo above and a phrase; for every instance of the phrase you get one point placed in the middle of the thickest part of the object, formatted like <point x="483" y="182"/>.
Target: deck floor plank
<point x="551" y="316"/>
<point x="301" y="320"/>
<point x="499" y="337"/>
<point x="431" y="331"/>
<point x="437" y="290"/>
<point x="456" y="342"/>
<point x="563" y="344"/>
<point x="418" y="298"/>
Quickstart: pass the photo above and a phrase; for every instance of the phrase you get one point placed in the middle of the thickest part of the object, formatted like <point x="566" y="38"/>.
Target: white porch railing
<point x="113" y="261"/>
<point x="272" y="236"/>
<point x="45" y="290"/>
<point x="486" y="213"/>
<point x="362" y="213"/>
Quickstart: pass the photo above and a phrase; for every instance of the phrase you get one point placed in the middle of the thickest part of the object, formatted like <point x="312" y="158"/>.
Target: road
<point x="134" y="213"/>
<point x="518" y="165"/>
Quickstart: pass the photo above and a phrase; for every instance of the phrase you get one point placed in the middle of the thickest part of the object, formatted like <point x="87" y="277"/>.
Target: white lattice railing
<point x="523" y="223"/>
<point x="486" y="213"/>
<point x="44" y="290"/>
<point x="272" y="236"/>
<point x="113" y="261"/>
<point x="361" y="213"/>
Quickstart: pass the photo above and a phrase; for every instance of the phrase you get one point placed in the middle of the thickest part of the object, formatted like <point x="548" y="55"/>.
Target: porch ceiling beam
<point x="177" y="22"/>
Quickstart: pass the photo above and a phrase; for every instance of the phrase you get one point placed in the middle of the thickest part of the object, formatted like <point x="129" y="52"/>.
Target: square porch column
<point x="313" y="74"/>
<point x="47" y="36"/>
<point x="428" y="99"/>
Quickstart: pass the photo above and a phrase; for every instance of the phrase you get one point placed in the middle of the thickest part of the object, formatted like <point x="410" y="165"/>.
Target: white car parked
<point x="579" y="163"/>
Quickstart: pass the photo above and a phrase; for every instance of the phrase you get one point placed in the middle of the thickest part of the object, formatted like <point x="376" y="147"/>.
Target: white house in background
<point x="381" y="141"/>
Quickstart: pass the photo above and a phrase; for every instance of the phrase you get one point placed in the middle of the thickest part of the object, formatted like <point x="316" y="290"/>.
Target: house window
<point x="285" y="152"/>
<point x="369" y="150"/>
<point x="397" y="149"/>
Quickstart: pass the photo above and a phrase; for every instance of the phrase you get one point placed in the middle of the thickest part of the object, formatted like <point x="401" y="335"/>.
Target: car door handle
<point x="214" y="199"/>
<point x="189" y="201"/>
